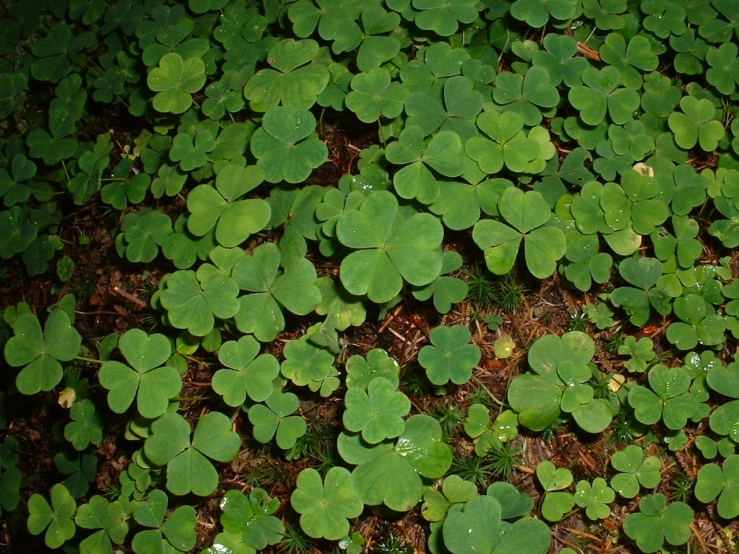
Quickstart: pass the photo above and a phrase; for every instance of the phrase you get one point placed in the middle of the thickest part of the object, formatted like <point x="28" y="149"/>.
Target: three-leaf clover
<point x="451" y="357"/>
<point x="146" y="378"/>
<point x="247" y="372"/>
<point x="87" y="425"/>
<point x="271" y="288"/>
<point x="377" y="413"/>
<point x="391" y="247"/>
<point x="360" y="372"/>
<point x="273" y="418"/>
<point x="714" y="480"/>
<point x="286" y="146"/>
<point x="188" y="466"/>
<point x="373" y="94"/>
<point x="602" y="94"/>
<point x="326" y="506"/>
<point x="251" y="517"/>
<point x="56" y="519"/>
<point x="634" y="470"/>
<point x="109" y="518"/>
<point x="527" y="213"/>
<point x="696" y="124"/>
<point x="192" y="305"/>
<point x="670" y="400"/>
<point x="41" y="353"/>
<point x="595" y="498"/>
<point x="292" y="83"/>
<point x="223" y="207"/>
<point x="178" y="531"/>
<point x="174" y="81"/>
<point x="656" y="522"/>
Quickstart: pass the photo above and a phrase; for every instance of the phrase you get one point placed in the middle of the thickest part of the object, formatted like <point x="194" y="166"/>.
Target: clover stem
<point x="492" y="396"/>
<point x="90" y="360"/>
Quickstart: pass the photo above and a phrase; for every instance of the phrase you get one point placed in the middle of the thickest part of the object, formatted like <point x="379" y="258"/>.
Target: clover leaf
<point x="553" y="478"/>
<point x="454" y="491"/>
<point x="526" y="95"/>
<point x="595" y="498"/>
<point x="188" y="466"/>
<point x="325" y="507"/>
<point x="192" y="305"/>
<point x="360" y="372"/>
<point x="634" y="470"/>
<point x="192" y="153"/>
<point x="476" y="528"/>
<point x="286" y="146"/>
<point x="670" y="400"/>
<point x="602" y="94"/>
<point x="700" y="323"/>
<point x="309" y="364"/>
<point x="152" y="383"/>
<point x="248" y="373"/>
<point x="391" y="248"/>
<point x="527" y="213"/>
<point x="461" y="104"/>
<point x="656" y="522"/>
<point x="373" y="95"/>
<point x="537" y="12"/>
<point x="641" y="353"/>
<point x="627" y="59"/>
<point x="109" y="518"/>
<point x="144" y="232"/>
<point x="270" y="289"/>
<point x="443" y="17"/>
<point x="274" y="418"/>
<point x="56" y="519"/>
<point x="390" y="473"/>
<point x="252" y="518"/>
<point x="86" y="426"/>
<point x="377" y="413"/>
<point x="723" y="482"/>
<point x="607" y="14"/>
<point x="726" y="230"/>
<point x="222" y="207"/>
<point x="445" y="290"/>
<point x="634" y="203"/>
<point x="643" y="273"/>
<point x="724" y="71"/>
<point x="39" y="353"/>
<point x="292" y="83"/>
<point x="509" y="145"/>
<point x="174" y="81"/>
<point x="725" y="420"/>
<point x="178" y="531"/>
<point x="451" y="357"/>
<point x="441" y="153"/>
<point x="696" y="124"/>
<point x="558" y="58"/>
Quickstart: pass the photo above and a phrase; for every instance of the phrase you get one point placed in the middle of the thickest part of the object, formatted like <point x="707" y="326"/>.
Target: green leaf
<point x="56" y="519"/>
<point x="192" y="305"/>
<point x="41" y="354"/>
<point x="537" y="12"/>
<point x="252" y="517"/>
<point x="377" y="413"/>
<point x="373" y="95"/>
<point x="188" y="467"/>
<point x="595" y="498"/>
<point x="248" y="373"/>
<point x="286" y="146"/>
<point x="627" y="59"/>
<point x="325" y="507"/>
<point x="451" y="357"/>
<point x="360" y="372"/>
<point x="635" y="470"/>
<point x="274" y="418"/>
<point x="553" y="478"/>
<point x="443" y="17"/>
<point x="657" y="522"/>
<point x="724" y="481"/>
<point x="559" y="59"/>
<point x="602" y="94"/>
<point x="174" y="81"/>
<point x="292" y="83"/>
<point x="390" y="247"/>
<point x="526" y="212"/>
<point x="86" y="426"/>
<point x="696" y="124"/>
<point x="111" y="520"/>
<point x="152" y="384"/>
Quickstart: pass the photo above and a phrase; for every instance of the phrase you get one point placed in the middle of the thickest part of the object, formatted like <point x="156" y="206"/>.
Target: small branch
<point x="128" y="296"/>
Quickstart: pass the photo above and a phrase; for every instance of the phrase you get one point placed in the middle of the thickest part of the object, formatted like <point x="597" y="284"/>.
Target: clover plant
<point x="278" y="172"/>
